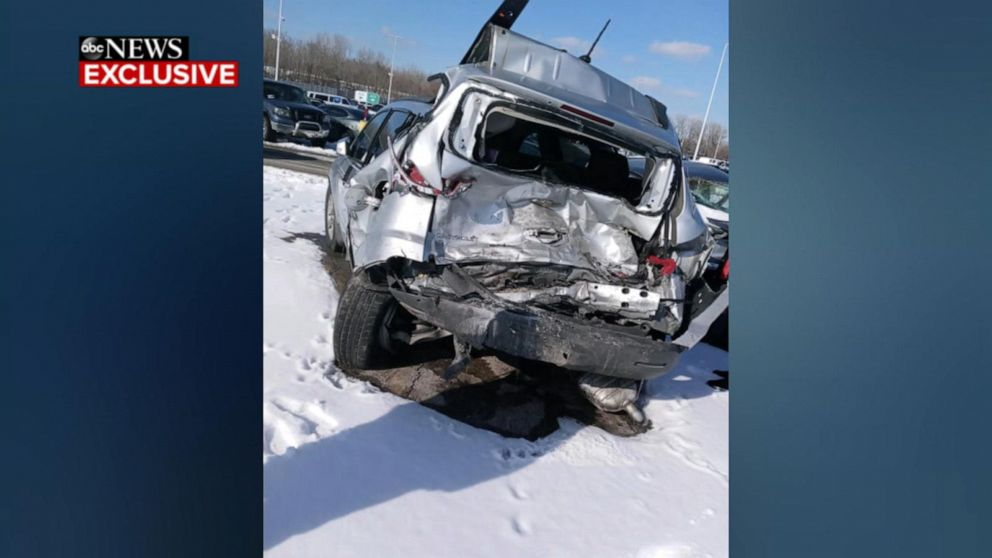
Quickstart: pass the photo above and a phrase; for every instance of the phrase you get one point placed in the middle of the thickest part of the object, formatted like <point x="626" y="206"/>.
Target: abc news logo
<point x="133" y="48"/>
<point x="149" y="62"/>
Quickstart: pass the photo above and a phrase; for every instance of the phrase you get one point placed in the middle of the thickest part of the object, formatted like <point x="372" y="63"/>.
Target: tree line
<point x="333" y="62"/>
<point x="715" y="142"/>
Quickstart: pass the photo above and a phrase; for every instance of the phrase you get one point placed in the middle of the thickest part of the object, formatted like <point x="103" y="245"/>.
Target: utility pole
<point x="710" y="103"/>
<point x="389" y="92"/>
<point x="278" y="38"/>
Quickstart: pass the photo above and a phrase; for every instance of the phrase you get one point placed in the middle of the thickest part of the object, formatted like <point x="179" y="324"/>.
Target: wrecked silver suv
<point x="536" y="207"/>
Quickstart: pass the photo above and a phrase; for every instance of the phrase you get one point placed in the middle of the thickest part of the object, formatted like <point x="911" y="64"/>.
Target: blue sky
<point x="667" y="48"/>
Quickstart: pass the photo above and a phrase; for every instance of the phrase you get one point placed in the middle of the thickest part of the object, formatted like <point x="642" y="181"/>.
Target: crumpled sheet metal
<point x="399" y="229"/>
<point x="631" y="302"/>
<point x="516" y="219"/>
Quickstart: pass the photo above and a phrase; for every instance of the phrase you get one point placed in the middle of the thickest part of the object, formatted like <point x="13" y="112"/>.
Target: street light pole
<point x="710" y="103"/>
<point x="278" y="38"/>
<point x="389" y="92"/>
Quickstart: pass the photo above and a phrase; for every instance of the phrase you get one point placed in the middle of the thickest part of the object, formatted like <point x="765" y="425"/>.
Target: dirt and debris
<point x="511" y="397"/>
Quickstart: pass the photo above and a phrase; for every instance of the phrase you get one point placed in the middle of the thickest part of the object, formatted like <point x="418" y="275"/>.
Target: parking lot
<point x="297" y="157"/>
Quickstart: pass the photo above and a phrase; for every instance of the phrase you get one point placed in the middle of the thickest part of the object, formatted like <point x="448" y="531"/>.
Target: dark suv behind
<point x="286" y="112"/>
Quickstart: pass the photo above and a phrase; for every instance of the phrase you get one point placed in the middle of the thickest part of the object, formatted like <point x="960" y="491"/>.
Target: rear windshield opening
<point x="525" y="146"/>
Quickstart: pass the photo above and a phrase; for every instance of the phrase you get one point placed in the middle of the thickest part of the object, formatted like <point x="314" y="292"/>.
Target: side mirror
<point x="341" y="147"/>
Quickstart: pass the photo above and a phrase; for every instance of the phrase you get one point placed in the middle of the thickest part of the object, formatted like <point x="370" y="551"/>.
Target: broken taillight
<point x="417" y="181"/>
<point x="665" y="265"/>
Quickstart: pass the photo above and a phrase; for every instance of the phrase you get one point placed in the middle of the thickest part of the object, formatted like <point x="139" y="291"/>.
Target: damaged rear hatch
<point x="545" y="241"/>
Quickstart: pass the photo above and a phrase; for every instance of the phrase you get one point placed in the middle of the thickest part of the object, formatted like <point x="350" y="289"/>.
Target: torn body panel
<point x="536" y="215"/>
<point x="400" y="229"/>
<point x="521" y="221"/>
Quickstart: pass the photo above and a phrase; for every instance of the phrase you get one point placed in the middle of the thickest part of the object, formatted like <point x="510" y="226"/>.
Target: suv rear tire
<point x="361" y="327"/>
<point x="330" y="224"/>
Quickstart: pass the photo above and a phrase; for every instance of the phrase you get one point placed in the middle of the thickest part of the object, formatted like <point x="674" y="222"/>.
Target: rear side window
<point x="361" y="145"/>
<point x="397" y="123"/>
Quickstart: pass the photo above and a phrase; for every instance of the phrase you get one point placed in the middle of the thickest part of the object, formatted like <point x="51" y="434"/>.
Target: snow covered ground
<point x="351" y="471"/>
<point x="301" y="145"/>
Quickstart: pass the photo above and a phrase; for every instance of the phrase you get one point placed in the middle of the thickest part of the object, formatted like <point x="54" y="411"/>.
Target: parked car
<point x="286" y="112"/>
<point x="718" y="163"/>
<point x="350" y="117"/>
<point x="710" y="189"/>
<point x="328" y="98"/>
<point x="504" y="213"/>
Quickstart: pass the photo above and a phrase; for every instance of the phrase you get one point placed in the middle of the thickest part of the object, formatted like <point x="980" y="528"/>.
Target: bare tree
<point x="328" y="62"/>
<point x="714" y="139"/>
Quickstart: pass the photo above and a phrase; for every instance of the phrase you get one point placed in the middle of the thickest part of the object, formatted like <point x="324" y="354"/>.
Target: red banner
<point x="178" y="73"/>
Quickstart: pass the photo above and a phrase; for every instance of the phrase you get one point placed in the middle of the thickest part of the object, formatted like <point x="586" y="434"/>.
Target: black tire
<point x="267" y="133"/>
<point x="330" y="226"/>
<point x="361" y="340"/>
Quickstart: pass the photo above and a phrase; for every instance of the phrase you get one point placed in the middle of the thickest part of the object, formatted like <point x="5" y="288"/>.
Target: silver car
<point x="537" y="207"/>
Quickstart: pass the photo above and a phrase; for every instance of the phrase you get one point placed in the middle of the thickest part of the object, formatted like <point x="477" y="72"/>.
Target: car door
<point x="344" y="169"/>
<point x="383" y="223"/>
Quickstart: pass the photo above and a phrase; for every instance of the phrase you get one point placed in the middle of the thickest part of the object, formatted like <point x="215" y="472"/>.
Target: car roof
<point x="695" y="169"/>
<point x="546" y="74"/>
<point x="414" y="105"/>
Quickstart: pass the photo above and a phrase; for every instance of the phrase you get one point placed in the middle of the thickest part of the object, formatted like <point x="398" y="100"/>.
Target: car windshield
<point x="715" y="195"/>
<point x="285" y="92"/>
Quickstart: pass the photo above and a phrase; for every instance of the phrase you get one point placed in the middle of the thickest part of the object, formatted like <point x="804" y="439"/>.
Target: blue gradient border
<point x="130" y="296"/>
<point x="860" y="333"/>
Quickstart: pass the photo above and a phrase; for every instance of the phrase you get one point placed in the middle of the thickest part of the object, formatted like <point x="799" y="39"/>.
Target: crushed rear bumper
<point x="531" y="333"/>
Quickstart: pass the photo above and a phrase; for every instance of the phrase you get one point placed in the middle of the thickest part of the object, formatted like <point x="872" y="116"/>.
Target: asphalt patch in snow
<point x="511" y="397"/>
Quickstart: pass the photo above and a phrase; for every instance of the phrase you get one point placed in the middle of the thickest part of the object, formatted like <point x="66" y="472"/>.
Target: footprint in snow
<point x="518" y="493"/>
<point x="335" y="379"/>
<point x="521" y="526"/>
<point x="509" y="455"/>
<point x="686" y="450"/>
<point x="307" y="419"/>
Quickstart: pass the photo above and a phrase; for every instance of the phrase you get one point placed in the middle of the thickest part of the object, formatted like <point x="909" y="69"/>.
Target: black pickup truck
<point x="286" y="112"/>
